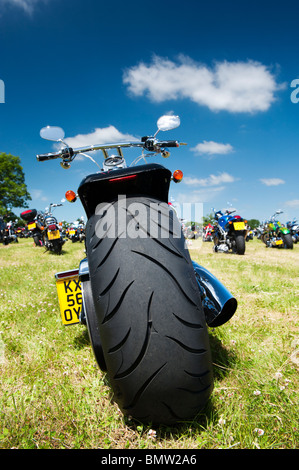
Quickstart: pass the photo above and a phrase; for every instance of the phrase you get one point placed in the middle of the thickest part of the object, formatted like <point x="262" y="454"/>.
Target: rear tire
<point x="37" y="240"/>
<point x="288" y="241"/>
<point x="151" y="322"/>
<point x="240" y="245"/>
<point x="57" y="246"/>
<point x="265" y="237"/>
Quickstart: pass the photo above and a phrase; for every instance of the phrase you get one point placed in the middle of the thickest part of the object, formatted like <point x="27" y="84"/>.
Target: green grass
<point x="53" y="396"/>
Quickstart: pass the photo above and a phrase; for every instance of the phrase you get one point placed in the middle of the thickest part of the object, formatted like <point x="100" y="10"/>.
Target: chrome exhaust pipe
<point x="218" y="303"/>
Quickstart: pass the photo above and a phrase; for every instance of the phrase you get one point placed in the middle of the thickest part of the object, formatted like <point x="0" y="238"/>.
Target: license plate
<point x="31" y="226"/>
<point x="72" y="232"/>
<point x="278" y="242"/>
<point x="239" y="226"/>
<point x="53" y="235"/>
<point x="69" y="296"/>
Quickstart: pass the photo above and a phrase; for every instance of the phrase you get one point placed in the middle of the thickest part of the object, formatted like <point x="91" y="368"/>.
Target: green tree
<point x="208" y="219"/>
<point x="13" y="190"/>
<point x="253" y="223"/>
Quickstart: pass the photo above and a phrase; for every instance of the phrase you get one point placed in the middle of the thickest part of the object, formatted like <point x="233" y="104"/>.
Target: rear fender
<point x="150" y="180"/>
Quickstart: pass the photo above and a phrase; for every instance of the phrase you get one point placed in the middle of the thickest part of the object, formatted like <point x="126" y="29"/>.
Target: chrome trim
<point x="218" y="303"/>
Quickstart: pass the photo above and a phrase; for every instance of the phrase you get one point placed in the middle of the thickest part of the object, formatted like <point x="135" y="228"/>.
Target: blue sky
<point x="104" y="70"/>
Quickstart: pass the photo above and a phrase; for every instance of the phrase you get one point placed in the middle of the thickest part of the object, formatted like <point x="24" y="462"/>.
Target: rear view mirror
<point x="52" y="133"/>
<point x="166" y="123"/>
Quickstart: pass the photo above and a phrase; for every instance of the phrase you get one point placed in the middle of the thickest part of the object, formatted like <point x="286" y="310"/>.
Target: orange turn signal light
<point x="177" y="176"/>
<point x="70" y="196"/>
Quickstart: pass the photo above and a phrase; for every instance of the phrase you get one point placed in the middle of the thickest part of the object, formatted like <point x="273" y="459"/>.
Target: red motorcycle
<point x="207" y="233"/>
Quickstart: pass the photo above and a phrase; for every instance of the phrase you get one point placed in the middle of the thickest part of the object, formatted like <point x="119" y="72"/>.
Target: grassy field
<point x="53" y="396"/>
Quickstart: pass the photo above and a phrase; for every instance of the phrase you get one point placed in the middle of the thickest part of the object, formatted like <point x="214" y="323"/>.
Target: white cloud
<point x="37" y="194"/>
<point x="272" y="181"/>
<point x="212" y="180"/>
<point x="199" y="196"/>
<point x="293" y="203"/>
<point x="99" y="136"/>
<point x="212" y="148"/>
<point x="27" y="5"/>
<point x="230" y="86"/>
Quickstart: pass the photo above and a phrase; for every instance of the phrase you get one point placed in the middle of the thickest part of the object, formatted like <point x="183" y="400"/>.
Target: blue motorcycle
<point x="293" y="227"/>
<point x="229" y="232"/>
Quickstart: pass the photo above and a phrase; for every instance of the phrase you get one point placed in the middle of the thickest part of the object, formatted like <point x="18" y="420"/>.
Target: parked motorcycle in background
<point x="145" y="303"/>
<point x="275" y="235"/>
<point x="207" y="233"/>
<point x="249" y="234"/>
<point x="81" y="229"/>
<point x="7" y="232"/>
<point x="229" y="232"/>
<point x="193" y="231"/>
<point x="72" y="233"/>
<point x="76" y="232"/>
<point x="293" y="227"/>
<point x="2" y="230"/>
<point x="52" y="237"/>
<point x="44" y="228"/>
<point x="34" y="225"/>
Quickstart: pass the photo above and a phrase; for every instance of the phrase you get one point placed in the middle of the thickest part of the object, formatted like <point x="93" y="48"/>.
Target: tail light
<point x="122" y="178"/>
<point x="52" y="227"/>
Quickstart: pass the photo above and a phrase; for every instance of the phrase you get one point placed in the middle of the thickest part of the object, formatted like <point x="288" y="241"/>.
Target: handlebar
<point x="47" y="156"/>
<point x="169" y="143"/>
<point x="149" y="143"/>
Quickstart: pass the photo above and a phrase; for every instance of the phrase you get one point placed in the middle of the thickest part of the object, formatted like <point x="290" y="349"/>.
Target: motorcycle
<point x="2" y="229"/>
<point x="229" y="232"/>
<point x="193" y="232"/>
<point x="275" y="235"/>
<point x="7" y="232"/>
<point x="34" y="225"/>
<point x="207" y="234"/>
<point x="147" y="306"/>
<point x="52" y="238"/>
<point x="250" y="234"/>
<point x="293" y="227"/>
<point x="73" y="234"/>
<point x="76" y="233"/>
<point x="81" y="230"/>
<point x="44" y="228"/>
